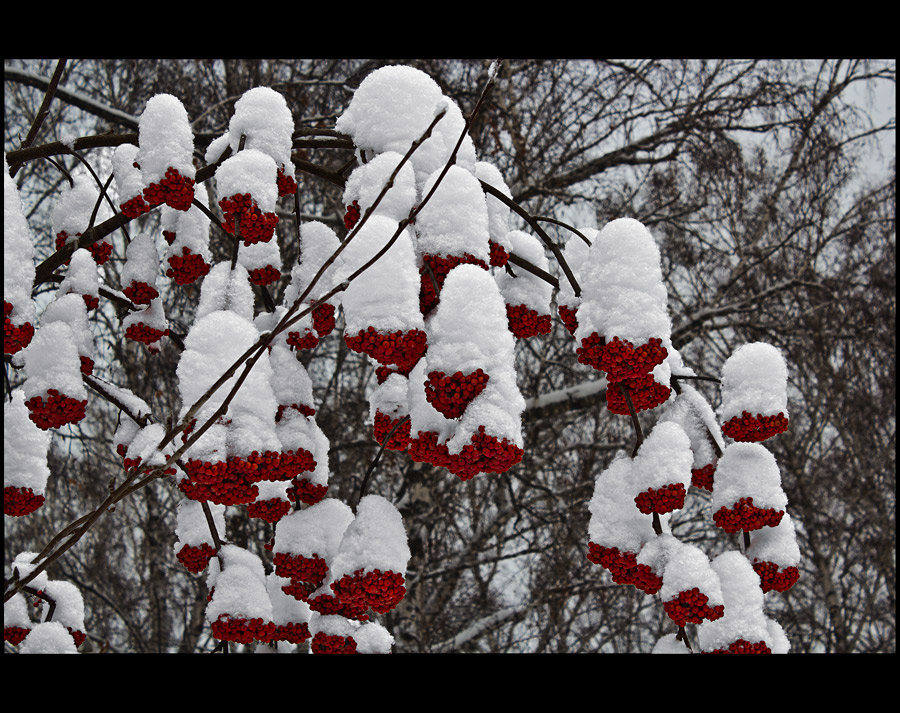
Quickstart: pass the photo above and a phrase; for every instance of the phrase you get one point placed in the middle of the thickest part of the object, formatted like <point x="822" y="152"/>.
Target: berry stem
<point x="638" y="433"/>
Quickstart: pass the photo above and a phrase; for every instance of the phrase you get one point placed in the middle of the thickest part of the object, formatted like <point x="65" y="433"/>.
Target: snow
<point x="391" y="397"/>
<point x="240" y="587"/>
<point x="69" y="610"/>
<point x="24" y="563"/>
<point x="73" y="208"/>
<point x="367" y="181"/>
<point x="165" y="139"/>
<point x="70" y="309"/>
<point x="249" y="171"/>
<point x="129" y="181"/>
<point x="290" y="380"/>
<point x="49" y="637"/>
<point x="373" y="638"/>
<point x="192" y="528"/>
<point x="224" y="289"/>
<point x="153" y="315"/>
<point x="191" y="227"/>
<point x="285" y="608"/>
<point x="664" y="458"/>
<point x="623" y="294"/>
<point x="259" y="255"/>
<point x="776" y="544"/>
<point x="315" y="530"/>
<point x="575" y="253"/>
<point x="318" y="243"/>
<point x="376" y="539"/>
<point x="386" y="295"/>
<point x="454" y="221"/>
<point x="754" y="379"/>
<point x="690" y="410"/>
<point x="748" y="470"/>
<point x="668" y="644"/>
<point x="498" y="211"/>
<point x="81" y="277"/>
<point x="525" y="288"/>
<point x="24" y="447"/>
<point x="141" y="261"/>
<point x="144" y="445"/>
<point x="18" y="253"/>
<point x="15" y="612"/>
<point x="52" y="362"/>
<point x="687" y="567"/>
<point x="263" y="117"/>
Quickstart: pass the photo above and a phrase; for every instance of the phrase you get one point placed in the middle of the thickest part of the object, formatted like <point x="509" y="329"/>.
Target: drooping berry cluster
<point x="287" y="186"/>
<point x="484" y="454"/>
<point x="525" y="322"/>
<point x="302" y="408"/>
<point x="175" y="190"/>
<point x="87" y="365"/>
<point x="498" y="256"/>
<point x="195" y="559"/>
<point x="661" y="500"/>
<point x="223" y="483"/>
<point x="275" y="466"/>
<point x="309" y="340"/>
<point x="294" y="632"/>
<point x="401" y="347"/>
<point x="323" y="643"/>
<point x="100" y="251"/>
<point x="323" y="319"/>
<point x="749" y="428"/>
<point x="382" y="427"/>
<point x="242" y="631"/>
<point x="271" y="510"/>
<point x="169" y="236"/>
<point x="77" y="636"/>
<point x="140" y="332"/>
<point x="90" y="301"/>
<point x="264" y="275"/>
<point x="15" y="635"/>
<point x="774" y="578"/>
<point x="744" y="515"/>
<point x="742" y="646"/>
<point x="437" y="267"/>
<point x="141" y="293"/>
<point x="57" y="411"/>
<point x="20" y="501"/>
<point x="352" y="215"/>
<point x="620" y="564"/>
<point x="451" y="394"/>
<point x="306" y="491"/>
<point x="644" y="391"/>
<point x="134" y="207"/>
<point x="255" y="226"/>
<point x="691" y="607"/>
<point x="626" y="366"/>
<point x="569" y="318"/>
<point x="15" y="336"/>
<point x="327" y="604"/>
<point x="376" y="590"/>
<point x="187" y="268"/>
<point x="703" y="477"/>
<point x="621" y="360"/>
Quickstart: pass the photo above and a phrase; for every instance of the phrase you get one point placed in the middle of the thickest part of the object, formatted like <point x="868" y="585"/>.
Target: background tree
<point x="775" y="224"/>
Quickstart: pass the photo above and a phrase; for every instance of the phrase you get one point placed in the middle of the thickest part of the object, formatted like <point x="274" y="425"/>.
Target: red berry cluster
<point x="62" y="237"/>
<point x="140" y="332"/>
<point x="744" y="515"/>
<point x="308" y="341"/>
<point x="175" y="190"/>
<point x="620" y="564"/>
<point x="703" y="477"/>
<point x="525" y="322"/>
<point x="569" y="318"/>
<point x="690" y="607"/>
<point x="645" y="392"/>
<point x="323" y="319"/>
<point x="287" y="186"/>
<point x="622" y="361"/>
<point x="485" y="454"/>
<point x="591" y="351"/>
<point x="223" y="483"/>
<point x="306" y="491"/>
<point x="295" y="632"/>
<point x="382" y="427"/>
<point x="440" y="266"/>
<point x="323" y="643"/>
<point x="90" y="301"/>
<point x="242" y="631"/>
<point x="271" y="510"/>
<point x="169" y="236"/>
<point x="15" y="635"/>
<point x="450" y="395"/>
<point x="773" y="578"/>
<point x="256" y="226"/>
<point x="100" y="251"/>
<point x="77" y="636"/>
<point x="300" y="568"/>
<point x="140" y="292"/>
<point x="58" y="410"/>
<point x="327" y="604"/>
<point x="302" y="408"/>
<point x="195" y="559"/>
<point x="15" y="336"/>
<point x="277" y="466"/>
<point x="87" y="365"/>
<point x="352" y="215"/>
<point x="134" y="207"/>
<point x="749" y="428"/>
<point x="264" y="275"/>
<point x="498" y="255"/>
<point x="20" y="501"/>
<point x="401" y="347"/>
<point x="742" y="646"/>
<point x="130" y="463"/>
<point x="376" y="590"/>
<point x="187" y="267"/>
<point x="662" y="500"/>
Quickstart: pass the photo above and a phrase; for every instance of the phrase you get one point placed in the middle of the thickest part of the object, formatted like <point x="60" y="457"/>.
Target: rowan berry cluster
<point x="323" y="643"/>
<point x="569" y="318"/>
<point x="57" y="411"/>
<point x="620" y="564"/>
<point x="750" y="428"/>
<point x="140" y="332"/>
<point x="302" y="408"/>
<point x="174" y="189"/>
<point x="196" y="558"/>
<point x="644" y="391"/>
<point x="742" y="646"/>
<point x="15" y="336"/>
<point x="306" y="491"/>
<point x="744" y="515"/>
<point x="140" y="292"/>
<point x="20" y="501"/>
<point x="294" y="633"/>
<point x="382" y="427"/>
<point x="255" y="226"/>
<point x="308" y="341"/>
<point x="352" y="215"/>
<point x="691" y="607"/>
<point x="451" y="394"/>
<point x="264" y="275"/>
<point x="300" y="568"/>
<point x="661" y="500"/>
<point x="242" y="631"/>
<point x="15" y="635"/>
<point x="323" y="319"/>
<point x="703" y="477"/>
<point x="374" y="589"/>
<point x="525" y="322"/>
<point x="498" y="256"/>
<point x="401" y="347"/>
<point x="287" y="186"/>
<point x="271" y="510"/>
<point x="187" y="268"/>
<point x="434" y="269"/>
<point x="774" y="578"/>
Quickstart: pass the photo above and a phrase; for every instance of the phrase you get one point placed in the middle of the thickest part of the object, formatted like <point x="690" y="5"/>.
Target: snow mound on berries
<point x="24" y="564"/>
<point x="315" y="530"/>
<point x="318" y="243"/>
<point x="368" y="180"/>
<point x="141" y="260"/>
<point x="81" y="277"/>
<point x="748" y="470"/>
<point x="668" y="644"/>
<point x="690" y="410"/>
<point x="525" y="288"/>
<point x="264" y="118"/>
<point x="49" y="637"/>
<point x="575" y="253"/>
<point x="776" y="544"/>
<point x="285" y="608"/>
<point x="498" y="211"/>
<point x="129" y="182"/>
<point x="74" y="206"/>
<point x="623" y="292"/>
<point x="240" y="587"/>
<point x="225" y="289"/>
<point x="249" y="171"/>
<point x="435" y="152"/>
<point x="166" y="139"/>
<point x="754" y="379"/>
<point x="52" y="362"/>
<point x="664" y="458"/>
<point x="390" y="109"/>
<point x="24" y="447"/>
<point x="375" y="539"/>
<point x="455" y="219"/>
<point x="69" y="609"/>
<point x="687" y="567"/>
<point x="18" y="251"/>
<point x="192" y="528"/>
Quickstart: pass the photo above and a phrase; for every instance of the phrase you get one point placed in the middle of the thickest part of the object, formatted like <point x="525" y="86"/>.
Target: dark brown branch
<point x="44" y="110"/>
